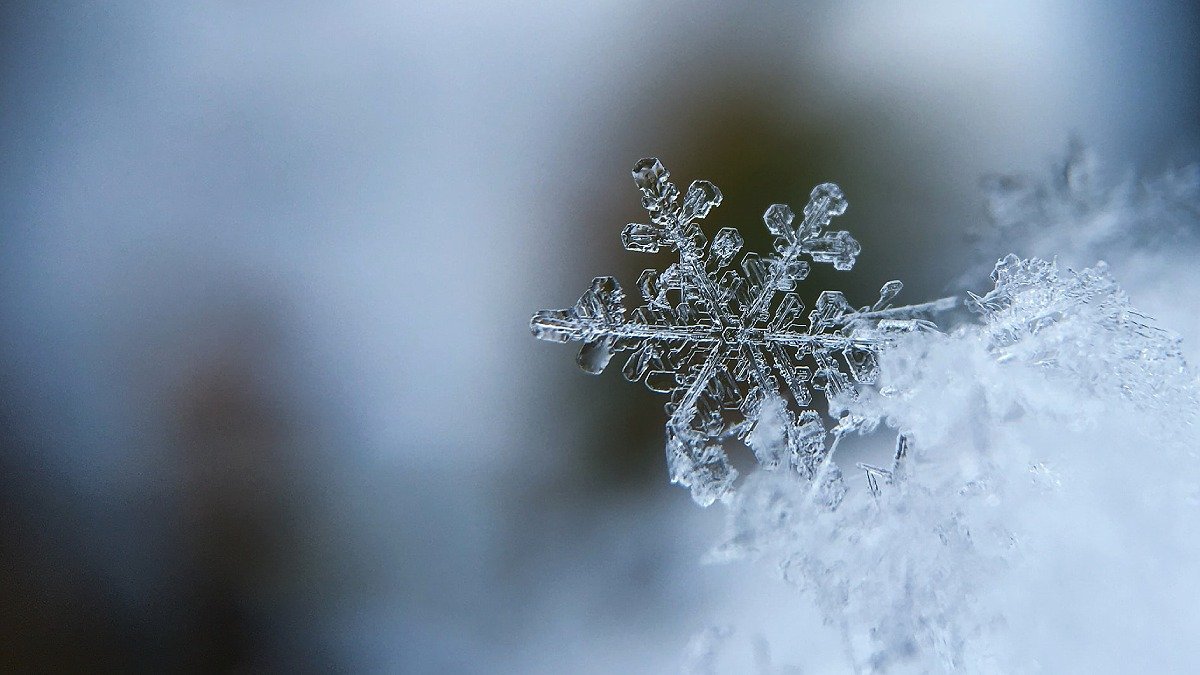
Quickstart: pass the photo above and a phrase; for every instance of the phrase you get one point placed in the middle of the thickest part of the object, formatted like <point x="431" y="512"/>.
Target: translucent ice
<point x="730" y="343"/>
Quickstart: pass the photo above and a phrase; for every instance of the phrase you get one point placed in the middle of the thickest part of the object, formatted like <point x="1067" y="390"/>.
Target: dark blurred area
<point x="268" y="397"/>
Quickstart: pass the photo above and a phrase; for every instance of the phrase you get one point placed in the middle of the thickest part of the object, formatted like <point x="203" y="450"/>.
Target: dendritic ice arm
<point x="732" y="344"/>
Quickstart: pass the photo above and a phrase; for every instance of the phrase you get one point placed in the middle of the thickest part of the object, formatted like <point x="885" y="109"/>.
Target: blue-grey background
<point x="267" y="392"/>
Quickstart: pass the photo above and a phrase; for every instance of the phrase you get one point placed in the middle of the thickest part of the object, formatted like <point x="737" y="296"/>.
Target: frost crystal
<point x="1081" y="325"/>
<point x="730" y="344"/>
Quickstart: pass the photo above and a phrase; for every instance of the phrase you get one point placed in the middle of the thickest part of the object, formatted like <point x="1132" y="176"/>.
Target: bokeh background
<point x="267" y="393"/>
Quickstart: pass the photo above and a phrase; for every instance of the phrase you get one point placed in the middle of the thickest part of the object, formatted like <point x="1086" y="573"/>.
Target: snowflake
<point x="730" y="345"/>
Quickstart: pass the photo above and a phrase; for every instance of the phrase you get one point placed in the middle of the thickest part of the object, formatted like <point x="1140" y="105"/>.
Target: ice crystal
<point x="730" y="344"/>
<point x="1035" y="314"/>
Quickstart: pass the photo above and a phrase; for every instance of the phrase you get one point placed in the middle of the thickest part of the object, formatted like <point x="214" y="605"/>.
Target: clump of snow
<point x="1047" y="491"/>
<point x="1146" y="228"/>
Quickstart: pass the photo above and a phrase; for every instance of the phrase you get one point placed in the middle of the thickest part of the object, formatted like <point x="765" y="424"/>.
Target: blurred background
<point x="268" y="397"/>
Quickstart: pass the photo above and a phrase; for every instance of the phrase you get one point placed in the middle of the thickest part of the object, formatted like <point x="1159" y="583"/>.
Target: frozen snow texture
<point x="730" y="344"/>
<point x="702" y="649"/>
<point x="1047" y="476"/>
<point x="1078" y="216"/>
<point x="1146" y="228"/>
<point x="1081" y="325"/>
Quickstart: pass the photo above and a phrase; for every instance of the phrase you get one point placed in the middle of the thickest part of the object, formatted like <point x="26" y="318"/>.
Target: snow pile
<point x="1043" y="512"/>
